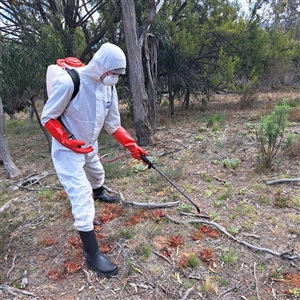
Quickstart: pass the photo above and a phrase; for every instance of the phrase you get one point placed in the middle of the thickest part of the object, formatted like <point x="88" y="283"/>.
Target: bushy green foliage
<point x="270" y="134"/>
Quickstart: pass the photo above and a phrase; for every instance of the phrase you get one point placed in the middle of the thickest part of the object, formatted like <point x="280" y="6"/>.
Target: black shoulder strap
<point x="76" y="80"/>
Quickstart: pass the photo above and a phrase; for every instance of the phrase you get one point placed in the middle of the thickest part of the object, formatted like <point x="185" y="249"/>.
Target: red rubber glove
<point x="125" y="139"/>
<point x="55" y="128"/>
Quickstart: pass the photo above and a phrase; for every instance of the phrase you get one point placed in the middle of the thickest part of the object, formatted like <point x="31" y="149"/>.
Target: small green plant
<point x="218" y="203"/>
<point x="146" y="252"/>
<point x="263" y="199"/>
<point x="193" y="261"/>
<point x="215" y="128"/>
<point x="295" y="292"/>
<point x="278" y="273"/>
<point x="231" y="163"/>
<point x="296" y="201"/>
<point x="139" y="168"/>
<point x="219" y="117"/>
<point x="139" y="191"/>
<point x="222" y="280"/>
<point x="270" y="134"/>
<point x="199" y="137"/>
<point x="214" y="217"/>
<point x="230" y="256"/>
<point x="203" y="129"/>
<point x="260" y="267"/>
<point x="185" y="208"/>
<point x="234" y="229"/>
<point x="226" y="195"/>
<point x="126" y="233"/>
<point x="289" y="141"/>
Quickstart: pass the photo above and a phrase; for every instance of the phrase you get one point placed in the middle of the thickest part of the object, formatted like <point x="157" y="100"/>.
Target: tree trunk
<point x="9" y="165"/>
<point x="151" y="65"/>
<point x="171" y="94"/>
<point x="48" y="138"/>
<point x="186" y="102"/>
<point x="136" y="75"/>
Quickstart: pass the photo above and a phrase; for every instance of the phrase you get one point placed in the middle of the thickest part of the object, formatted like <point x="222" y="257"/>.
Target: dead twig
<point x="139" y="204"/>
<point x="228" y="290"/>
<point x="7" y="204"/>
<point x="14" y="291"/>
<point x="162" y="256"/>
<point x="148" y="204"/>
<point x="32" y="179"/>
<point x="256" y="282"/>
<point x="13" y="265"/>
<point x="283" y="180"/>
<point x="194" y="215"/>
<point x="186" y="294"/>
<point x="38" y="220"/>
<point x="88" y="277"/>
<point x="289" y="255"/>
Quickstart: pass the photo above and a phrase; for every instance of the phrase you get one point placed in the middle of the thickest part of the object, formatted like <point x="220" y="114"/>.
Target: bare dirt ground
<point x="41" y="256"/>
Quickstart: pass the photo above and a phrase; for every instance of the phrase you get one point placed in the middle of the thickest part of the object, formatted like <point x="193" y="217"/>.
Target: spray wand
<point x="151" y="165"/>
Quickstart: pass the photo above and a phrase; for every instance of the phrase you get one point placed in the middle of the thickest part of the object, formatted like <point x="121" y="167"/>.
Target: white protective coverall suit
<point x="94" y="107"/>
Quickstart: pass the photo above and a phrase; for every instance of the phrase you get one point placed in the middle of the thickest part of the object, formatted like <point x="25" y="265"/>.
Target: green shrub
<point x="270" y="134"/>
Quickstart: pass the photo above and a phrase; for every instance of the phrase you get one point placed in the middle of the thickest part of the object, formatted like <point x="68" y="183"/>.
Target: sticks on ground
<point x="140" y="204"/>
<point x="14" y="291"/>
<point x="283" y="180"/>
<point x="289" y="255"/>
<point x="32" y="179"/>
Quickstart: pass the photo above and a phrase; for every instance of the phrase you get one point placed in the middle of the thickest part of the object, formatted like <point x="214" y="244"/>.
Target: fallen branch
<point x="283" y="180"/>
<point x="7" y="204"/>
<point x="14" y="291"/>
<point x="162" y="256"/>
<point x="256" y="281"/>
<point x="185" y="296"/>
<point x="32" y="179"/>
<point x="290" y="255"/>
<point x="13" y="265"/>
<point x="195" y="215"/>
<point x="139" y="204"/>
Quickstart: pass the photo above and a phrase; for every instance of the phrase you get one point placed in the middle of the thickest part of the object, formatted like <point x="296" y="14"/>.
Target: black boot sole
<point x="105" y="274"/>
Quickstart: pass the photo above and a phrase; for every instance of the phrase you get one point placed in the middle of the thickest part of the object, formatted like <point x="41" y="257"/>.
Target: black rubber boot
<point x="94" y="258"/>
<point x="100" y="195"/>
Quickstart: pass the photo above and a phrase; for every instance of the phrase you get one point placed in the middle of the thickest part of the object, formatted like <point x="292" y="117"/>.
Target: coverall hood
<point x="107" y="58"/>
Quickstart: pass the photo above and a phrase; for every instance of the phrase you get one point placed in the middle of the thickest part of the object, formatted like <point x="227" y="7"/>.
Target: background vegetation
<point x="204" y="47"/>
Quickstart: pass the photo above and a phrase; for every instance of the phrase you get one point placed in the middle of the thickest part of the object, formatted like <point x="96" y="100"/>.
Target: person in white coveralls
<point x="76" y="159"/>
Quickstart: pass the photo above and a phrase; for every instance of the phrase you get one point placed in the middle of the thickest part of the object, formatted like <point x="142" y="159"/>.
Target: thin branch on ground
<point x="32" y="179"/>
<point x="194" y="215"/>
<point x="162" y="256"/>
<point x="283" y="180"/>
<point x="148" y="204"/>
<point x="7" y="204"/>
<point x="256" y="281"/>
<point x="13" y="265"/>
<point x="185" y="296"/>
<point x="289" y="255"/>
<point x="14" y="291"/>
